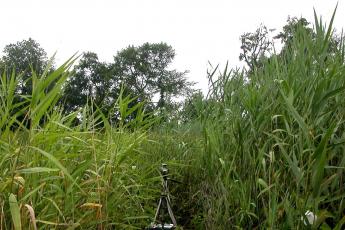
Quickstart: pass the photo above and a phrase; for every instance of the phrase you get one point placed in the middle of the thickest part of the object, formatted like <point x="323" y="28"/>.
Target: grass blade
<point x="15" y="212"/>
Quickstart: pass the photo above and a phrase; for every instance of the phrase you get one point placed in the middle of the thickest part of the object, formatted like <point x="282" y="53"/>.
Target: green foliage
<point x="23" y="57"/>
<point x="144" y="72"/>
<point x="68" y="175"/>
<point x="90" y="82"/>
<point x="262" y="150"/>
<point x="192" y="107"/>
<point x="289" y="30"/>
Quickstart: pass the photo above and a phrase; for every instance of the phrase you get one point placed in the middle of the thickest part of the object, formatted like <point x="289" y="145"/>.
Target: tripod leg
<point x="171" y="214"/>
<point x="158" y="209"/>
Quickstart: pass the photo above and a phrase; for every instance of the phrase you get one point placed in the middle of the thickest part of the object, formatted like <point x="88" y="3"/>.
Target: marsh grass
<point x="263" y="149"/>
<point x="60" y="175"/>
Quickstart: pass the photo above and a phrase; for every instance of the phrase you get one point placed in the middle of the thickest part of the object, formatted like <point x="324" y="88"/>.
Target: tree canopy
<point x="140" y="71"/>
<point x="91" y="81"/>
<point x="254" y="46"/>
<point x="144" y="70"/>
<point x="24" y="57"/>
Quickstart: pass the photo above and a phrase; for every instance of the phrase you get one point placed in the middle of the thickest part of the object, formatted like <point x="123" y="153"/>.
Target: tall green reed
<point x="273" y="138"/>
<point x="59" y="174"/>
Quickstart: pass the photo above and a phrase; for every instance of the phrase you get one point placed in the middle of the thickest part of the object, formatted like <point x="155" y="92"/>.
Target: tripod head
<point x="164" y="171"/>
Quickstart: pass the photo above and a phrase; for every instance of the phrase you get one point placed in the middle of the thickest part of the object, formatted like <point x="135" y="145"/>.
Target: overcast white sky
<point x="198" y="30"/>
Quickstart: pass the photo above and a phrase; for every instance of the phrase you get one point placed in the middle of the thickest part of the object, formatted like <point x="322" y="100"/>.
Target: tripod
<point x="164" y="203"/>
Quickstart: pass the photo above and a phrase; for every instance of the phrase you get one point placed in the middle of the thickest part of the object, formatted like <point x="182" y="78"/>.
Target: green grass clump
<point x="59" y="174"/>
<point x="77" y="170"/>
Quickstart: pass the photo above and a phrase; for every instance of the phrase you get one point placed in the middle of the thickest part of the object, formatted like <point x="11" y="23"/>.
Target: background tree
<point x="23" y="57"/>
<point x="90" y="81"/>
<point x="144" y="71"/>
<point x="289" y="30"/>
<point x="294" y="24"/>
<point x="192" y="107"/>
<point x="255" y="46"/>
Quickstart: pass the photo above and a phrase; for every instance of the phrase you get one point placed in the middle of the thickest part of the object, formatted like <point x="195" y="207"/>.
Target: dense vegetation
<point x="265" y="146"/>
